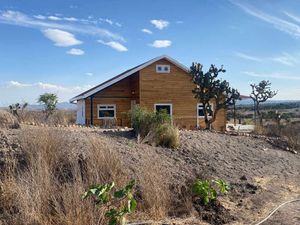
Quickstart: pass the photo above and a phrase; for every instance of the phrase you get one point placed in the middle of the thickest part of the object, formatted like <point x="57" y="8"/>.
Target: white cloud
<point x="286" y="59"/>
<point x="115" y="45"/>
<point x="161" y="43"/>
<point x="292" y="16"/>
<point x="118" y="24"/>
<point x="54" y="18"/>
<point x="272" y="75"/>
<point x="40" y="17"/>
<point x="47" y="86"/>
<point x="109" y="21"/>
<point x="71" y="19"/>
<point x="17" y="18"/>
<point x="280" y="24"/>
<point x="61" y="38"/>
<point x="247" y="57"/>
<point x="89" y="74"/>
<point x="160" y="24"/>
<point x="75" y="51"/>
<point x="146" y="31"/>
<point x="13" y="83"/>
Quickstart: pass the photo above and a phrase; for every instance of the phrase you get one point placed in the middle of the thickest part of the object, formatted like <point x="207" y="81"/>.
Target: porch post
<point x="92" y="113"/>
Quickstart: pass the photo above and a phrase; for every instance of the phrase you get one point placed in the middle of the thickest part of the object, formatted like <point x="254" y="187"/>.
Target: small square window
<point x="163" y="68"/>
<point x="200" y="111"/>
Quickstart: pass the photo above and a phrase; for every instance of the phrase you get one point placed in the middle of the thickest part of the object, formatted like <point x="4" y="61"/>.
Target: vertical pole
<point x="92" y="113"/>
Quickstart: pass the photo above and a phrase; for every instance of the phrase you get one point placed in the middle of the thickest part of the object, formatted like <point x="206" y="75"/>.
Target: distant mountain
<point x="249" y="101"/>
<point x="60" y="105"/>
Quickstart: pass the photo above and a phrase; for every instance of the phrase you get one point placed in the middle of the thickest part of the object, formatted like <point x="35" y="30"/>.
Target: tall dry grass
<point x="47" y="190"/>
<point x="59" y="117"/>
<point x="42" y="184"/>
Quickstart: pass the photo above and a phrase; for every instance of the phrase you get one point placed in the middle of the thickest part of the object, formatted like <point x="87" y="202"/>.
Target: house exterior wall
<point x="174" y="88"/>
<point x="121" y="94"/>
<point x="147" y="88"/>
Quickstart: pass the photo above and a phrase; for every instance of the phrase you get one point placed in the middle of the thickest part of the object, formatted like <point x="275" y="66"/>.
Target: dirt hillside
<point x="261" y="176"/>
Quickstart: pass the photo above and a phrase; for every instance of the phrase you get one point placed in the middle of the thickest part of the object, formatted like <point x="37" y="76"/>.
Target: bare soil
<point x="261" y="176"/>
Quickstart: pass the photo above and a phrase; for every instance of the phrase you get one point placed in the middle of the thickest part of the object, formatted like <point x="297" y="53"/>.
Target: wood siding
<point x="120" y="94"/>
<point x="152" y="88"/>
<point x="174" y="88"/>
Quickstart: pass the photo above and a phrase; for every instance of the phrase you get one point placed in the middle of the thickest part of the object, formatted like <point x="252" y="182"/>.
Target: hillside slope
<point x="261" y="175"/>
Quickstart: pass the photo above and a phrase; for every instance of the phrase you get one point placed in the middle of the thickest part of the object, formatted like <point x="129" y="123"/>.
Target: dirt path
<point x="287" y="215"/>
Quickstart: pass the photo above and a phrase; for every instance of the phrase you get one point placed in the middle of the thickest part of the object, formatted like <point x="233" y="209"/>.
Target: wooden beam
<point x="92" y="114"/>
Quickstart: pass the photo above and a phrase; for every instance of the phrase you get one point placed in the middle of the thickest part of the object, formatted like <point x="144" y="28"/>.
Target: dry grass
<point x="45" y="187"/>
<point x="60" y="117"/>
<point x="48" y="190"/>
<point x="7" y="120"/>
<point x="292" y="134"/>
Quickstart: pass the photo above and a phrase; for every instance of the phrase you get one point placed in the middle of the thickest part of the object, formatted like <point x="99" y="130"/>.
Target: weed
<point x="116" y="211"/>
<point x="206" y="191"/>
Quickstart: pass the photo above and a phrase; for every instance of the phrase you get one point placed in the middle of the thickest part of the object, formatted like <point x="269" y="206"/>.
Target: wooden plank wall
<point x="175" y="88"/>
<point x="120" y="94"/>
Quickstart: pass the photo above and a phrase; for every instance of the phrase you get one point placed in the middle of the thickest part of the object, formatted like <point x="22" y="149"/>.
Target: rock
<point x="243" y="177"/>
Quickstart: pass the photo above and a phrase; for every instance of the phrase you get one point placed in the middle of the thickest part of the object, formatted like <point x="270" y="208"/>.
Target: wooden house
<point x="160" y="83"/>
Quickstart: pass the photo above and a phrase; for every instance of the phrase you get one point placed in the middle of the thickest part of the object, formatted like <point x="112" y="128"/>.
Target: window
<point x="163" y="68"/>
<point x="106" y="111"/>
<point x="200" y="111"/>
<point x="166" y="107"/>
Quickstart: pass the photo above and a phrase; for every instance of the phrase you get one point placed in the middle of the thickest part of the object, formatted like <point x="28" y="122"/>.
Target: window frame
<point x="106" y="105"/>
<point x="163" y="66"/>
<point x="165" y="104"/>
<point x="197" y="111"/>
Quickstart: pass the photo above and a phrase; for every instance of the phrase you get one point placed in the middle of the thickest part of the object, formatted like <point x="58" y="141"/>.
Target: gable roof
<point x="125" y="74"/>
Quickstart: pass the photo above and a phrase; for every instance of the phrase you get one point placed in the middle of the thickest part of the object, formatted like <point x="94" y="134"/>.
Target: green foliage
<point x="49" y="101"/>
<point x="206" y="190"/>
<point x="117" y="210"/>
<point x="223" y="186"/>
<point x="211" y="90"/>
<point x="154" y="127"/>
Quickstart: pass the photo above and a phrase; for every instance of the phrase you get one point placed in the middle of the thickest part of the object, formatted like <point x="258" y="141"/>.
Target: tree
<point x="260" y="93"/>
<point x="210" y="90"/>
<point x="49" y="101"/>
<point x="17" y="109"/>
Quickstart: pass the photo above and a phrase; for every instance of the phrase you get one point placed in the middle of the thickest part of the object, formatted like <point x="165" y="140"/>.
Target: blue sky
<point x="65" y="47"/>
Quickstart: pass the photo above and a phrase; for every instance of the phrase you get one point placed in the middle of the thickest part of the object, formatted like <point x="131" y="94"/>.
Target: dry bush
<point x="48" y="191"/>
<point x="59" y="117"/>
<point x="154" y="127"/>
<point x="292" y="133"/>
<point x="154" y="199"/>
<point x="167" y="136"/>
<point x="7" y="120"/>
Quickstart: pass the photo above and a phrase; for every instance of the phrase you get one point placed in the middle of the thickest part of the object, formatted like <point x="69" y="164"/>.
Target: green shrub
<point x="154" y="127"/>
<point x="207" y="192"/>
<point x="116" y="208"/>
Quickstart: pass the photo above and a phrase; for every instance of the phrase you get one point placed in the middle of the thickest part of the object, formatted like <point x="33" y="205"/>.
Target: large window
<point x="165" y="107"/>
<point x="106" y="111"/>
<point x="200" y="111"/>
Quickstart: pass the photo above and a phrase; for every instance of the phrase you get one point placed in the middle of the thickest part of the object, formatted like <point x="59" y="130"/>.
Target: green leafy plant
<point x="206" y="190"/>
<point x="49" y="101"/>
<point x="223" y="186"/>
<point x="119" y="203"/>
